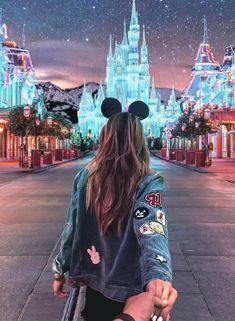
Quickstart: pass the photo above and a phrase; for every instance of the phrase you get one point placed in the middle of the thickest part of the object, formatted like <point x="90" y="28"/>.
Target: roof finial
<point x="23" y="36"/>
<point x="205" y="35"/>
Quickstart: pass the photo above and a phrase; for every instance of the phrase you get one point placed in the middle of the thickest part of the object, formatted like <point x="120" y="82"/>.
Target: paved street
<point x="201" y="215"/>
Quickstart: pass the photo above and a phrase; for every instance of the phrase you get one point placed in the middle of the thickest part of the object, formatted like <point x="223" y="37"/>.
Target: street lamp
<point x="207" y="113"/>
<point x="27" y="112"/>
<point x="49" y="123"/>
<point x="49" y="120"/>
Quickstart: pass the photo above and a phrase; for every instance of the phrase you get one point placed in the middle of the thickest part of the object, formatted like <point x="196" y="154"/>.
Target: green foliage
<point x="18" y="124"/>
<point x="21" y="126"/>
<point x="190" y="125"/>
<point x="60" y="127"/>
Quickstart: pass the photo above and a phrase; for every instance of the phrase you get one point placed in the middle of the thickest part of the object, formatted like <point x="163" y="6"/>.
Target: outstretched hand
<point x="165" y="291"/>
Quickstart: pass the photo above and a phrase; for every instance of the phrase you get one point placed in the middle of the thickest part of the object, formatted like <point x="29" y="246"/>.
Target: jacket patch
<point x="160" y="258"/>
<point x="145" y="229"/>
<point x="94" y="255"/>
<point x="160" y="215"/>
<point x="151" y="228"/>
<point x="157" y="227"/>
<point x="141" y="212"/>
<point x="154" y="199"/>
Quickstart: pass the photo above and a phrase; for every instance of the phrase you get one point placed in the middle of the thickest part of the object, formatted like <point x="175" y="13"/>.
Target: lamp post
<point x="49" y="123"/>
<point x="207" y="115"/>
<point x="37" y="122"/>
<point x="24" y="148"/>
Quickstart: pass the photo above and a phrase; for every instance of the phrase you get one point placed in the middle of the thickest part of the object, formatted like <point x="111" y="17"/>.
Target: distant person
<point x="115" y="239"/>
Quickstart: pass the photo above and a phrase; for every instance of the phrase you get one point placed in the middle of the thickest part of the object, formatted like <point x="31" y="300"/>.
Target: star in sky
<point x="173" y="30"/>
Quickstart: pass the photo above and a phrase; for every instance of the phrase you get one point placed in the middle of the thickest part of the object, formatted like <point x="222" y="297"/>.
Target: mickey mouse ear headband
<point x="112" y="106"/>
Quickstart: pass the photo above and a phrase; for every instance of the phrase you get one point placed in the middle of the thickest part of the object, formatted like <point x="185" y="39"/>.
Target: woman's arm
<point x="150" y="226"/>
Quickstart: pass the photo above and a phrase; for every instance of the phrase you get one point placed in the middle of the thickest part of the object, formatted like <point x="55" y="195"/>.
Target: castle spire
<point x="153" y="94"/>
<point x="144" y="38"/>
<point x="110" y="47"/>
<point x="23" y="36"/>
<point x="124" y="41"/>
<point x="134" y="14"/>
<point x="205" y="34"/>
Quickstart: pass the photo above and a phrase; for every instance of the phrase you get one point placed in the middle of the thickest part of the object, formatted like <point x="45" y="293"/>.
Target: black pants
<point x="100" y="308"/>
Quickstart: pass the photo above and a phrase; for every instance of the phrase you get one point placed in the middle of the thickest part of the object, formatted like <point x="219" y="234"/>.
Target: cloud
<point x="67" y="64"/>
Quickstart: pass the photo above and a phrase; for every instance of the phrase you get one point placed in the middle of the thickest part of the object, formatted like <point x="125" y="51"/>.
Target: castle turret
<point x="144" y="71"/>
<point x="110" y="71"/>
<point x="133" y="67"/>
<point x="205" y="66"/>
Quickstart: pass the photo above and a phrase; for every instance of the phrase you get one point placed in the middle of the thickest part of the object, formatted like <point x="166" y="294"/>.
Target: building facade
<point x="17" y="88"/>
<point x="213" y="85"/>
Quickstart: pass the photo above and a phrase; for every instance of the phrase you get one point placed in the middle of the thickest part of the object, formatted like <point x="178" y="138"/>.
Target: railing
<point x="69" y="310"/>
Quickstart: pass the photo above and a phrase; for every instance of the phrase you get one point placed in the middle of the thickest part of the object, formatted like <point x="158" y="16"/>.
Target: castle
<point x="127" y="79"/>
<point x="17" y="88"/>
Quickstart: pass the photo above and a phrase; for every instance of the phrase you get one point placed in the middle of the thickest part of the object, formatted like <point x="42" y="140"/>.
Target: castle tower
<point x="133" y="66"/>
<point x="205" y="65"/>
<point x="110" y="71"/>
<point x="144" y="72"/>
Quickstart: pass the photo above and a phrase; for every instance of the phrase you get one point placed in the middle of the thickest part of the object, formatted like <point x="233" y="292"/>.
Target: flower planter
<point x="67" y="153"/>
<point x="180" y="157"/>
<point x="172" y="154"/>
<point x="36" y="158"/>
<point x="190" y="157"/>
<point x="163" y="152"/>
<point x="200" y="158"/>
<point x="58" y="155"/>
<point x="47" y="157"/>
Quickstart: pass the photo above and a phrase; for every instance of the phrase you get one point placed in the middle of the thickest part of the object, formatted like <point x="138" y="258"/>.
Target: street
<point x="201" y="214"/>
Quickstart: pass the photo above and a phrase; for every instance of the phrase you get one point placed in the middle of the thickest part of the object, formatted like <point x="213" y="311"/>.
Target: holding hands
<point x="164" y="291"/>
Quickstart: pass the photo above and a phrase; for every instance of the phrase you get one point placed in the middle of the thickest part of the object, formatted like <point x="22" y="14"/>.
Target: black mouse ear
<point x="139" y="109"/>
<point x="110" y="107"/>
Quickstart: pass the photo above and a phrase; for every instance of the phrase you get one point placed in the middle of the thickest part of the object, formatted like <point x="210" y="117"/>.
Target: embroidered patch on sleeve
<point x="94" y="255"/>
<point x="141" y="212"/>
<point x="157" y="227"/>
<point x="160" y="258"/>
<point x="151" y="228"/>
<point x="154" y="199"/>
<point x="161" y="218"/>
<point x="145" y="229"/>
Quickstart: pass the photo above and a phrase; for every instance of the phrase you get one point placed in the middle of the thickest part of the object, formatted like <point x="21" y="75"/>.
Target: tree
<point x="22" y="126"/>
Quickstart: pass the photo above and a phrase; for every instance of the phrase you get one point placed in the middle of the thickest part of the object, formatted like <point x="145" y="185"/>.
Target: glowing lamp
<point x="207" y="113"/>
<point x="26" y="111"/>
<point x="49" y="121"/>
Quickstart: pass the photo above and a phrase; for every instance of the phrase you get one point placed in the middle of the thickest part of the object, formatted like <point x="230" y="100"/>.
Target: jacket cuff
<point x="156" y="274"/>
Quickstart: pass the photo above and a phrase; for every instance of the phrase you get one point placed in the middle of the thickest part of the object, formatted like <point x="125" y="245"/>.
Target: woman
<point x="115" y="239"/>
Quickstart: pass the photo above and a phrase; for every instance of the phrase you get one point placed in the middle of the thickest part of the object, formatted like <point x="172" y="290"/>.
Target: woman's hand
<point x="57" y="287"/>
<point x="165" y="291"/>
<point x="143" y="305"/>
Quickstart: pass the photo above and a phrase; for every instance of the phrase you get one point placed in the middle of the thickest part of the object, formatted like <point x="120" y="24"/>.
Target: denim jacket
<point x="127" y="263"/>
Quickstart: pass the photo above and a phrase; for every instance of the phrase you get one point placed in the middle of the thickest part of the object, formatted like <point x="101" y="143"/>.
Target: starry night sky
<point x="69" y="40"/>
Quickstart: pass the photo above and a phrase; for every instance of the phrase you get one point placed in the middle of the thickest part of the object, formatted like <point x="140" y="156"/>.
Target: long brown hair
<point x="119" y="165"/>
